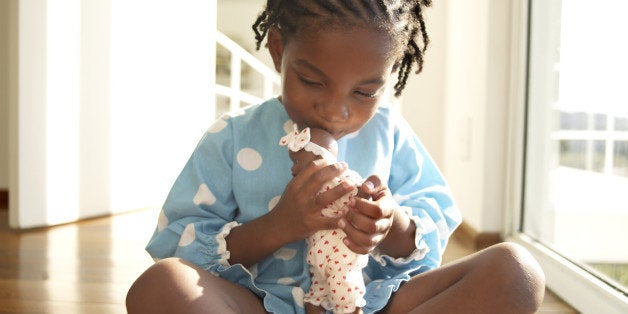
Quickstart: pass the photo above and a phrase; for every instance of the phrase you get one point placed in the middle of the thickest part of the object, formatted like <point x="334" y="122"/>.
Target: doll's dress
<point x="337" y="282"/>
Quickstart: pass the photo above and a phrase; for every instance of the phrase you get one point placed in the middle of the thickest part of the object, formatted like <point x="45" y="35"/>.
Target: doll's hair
<point x="402" y="19"/>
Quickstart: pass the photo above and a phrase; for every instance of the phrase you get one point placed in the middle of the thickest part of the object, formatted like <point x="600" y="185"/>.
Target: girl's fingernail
<point x="369" y="185"/>
<point x="346" y="185"/>
<point x="341" y="224"/>
<point x="346" y="241"/>
<point x="343" y="165"/>
<point x="352" y="202"/>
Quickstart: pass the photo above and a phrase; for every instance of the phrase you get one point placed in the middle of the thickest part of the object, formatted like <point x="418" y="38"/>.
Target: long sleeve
<point x="418" y="186"/>
<point x="236" y="174"/>
<point x="200" y="208"/>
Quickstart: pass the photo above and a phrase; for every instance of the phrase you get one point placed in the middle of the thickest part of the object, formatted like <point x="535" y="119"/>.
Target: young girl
<point x="337" y="281"/>
<point x="231" y="235"/>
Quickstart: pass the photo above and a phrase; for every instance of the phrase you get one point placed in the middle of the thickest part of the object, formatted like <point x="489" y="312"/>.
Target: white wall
<point x="477" y="81"/>
<point x="5" y="10"/>
<point x="458" y="104"/>
<point x="423" y="99"/>
<point x="113" y="95"/>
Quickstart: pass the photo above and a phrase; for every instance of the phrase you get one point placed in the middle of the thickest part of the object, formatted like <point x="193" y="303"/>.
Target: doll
<point x="337" y="282"/>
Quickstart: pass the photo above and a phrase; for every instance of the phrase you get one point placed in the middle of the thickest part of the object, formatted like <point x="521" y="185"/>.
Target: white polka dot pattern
<point x="273" y="202"/>
<point x="249" y="159"/>
<point x="288" y="126"/>
<point x="285" y="254"/>
<point x="297" y="296"/>
<point x="286" y="281"/>
<point x="204" y="196"/>
<point x="162" y="221"/>
<point x="188" y="236"/>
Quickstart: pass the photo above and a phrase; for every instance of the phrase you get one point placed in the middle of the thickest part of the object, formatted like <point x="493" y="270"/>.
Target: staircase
<point x="241" y="78"/>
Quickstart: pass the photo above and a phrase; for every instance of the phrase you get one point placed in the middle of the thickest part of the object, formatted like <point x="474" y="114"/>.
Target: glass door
<point x="575" y="195"/>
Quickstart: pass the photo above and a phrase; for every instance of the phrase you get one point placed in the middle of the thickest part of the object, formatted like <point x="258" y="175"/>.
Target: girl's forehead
<point x="359" y="39"/>
<point x="356" y="54"/>
<point x="316" y="25"/>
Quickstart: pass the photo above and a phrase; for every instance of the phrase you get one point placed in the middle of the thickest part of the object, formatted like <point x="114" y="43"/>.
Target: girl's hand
<point x="374" y="220"/>
<point x="298" y="212"/>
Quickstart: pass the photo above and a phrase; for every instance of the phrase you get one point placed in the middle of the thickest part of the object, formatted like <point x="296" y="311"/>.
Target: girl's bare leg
<point x="314" y="309"/>
<point x="176" y="286"/>
<point x="504" y="278"/>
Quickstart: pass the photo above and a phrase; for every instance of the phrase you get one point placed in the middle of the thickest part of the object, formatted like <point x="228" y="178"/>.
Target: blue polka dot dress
<point x="238" y="173"/>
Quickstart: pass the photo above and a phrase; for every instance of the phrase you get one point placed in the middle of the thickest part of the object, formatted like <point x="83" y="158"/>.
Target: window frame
<point x="579" y="288"/>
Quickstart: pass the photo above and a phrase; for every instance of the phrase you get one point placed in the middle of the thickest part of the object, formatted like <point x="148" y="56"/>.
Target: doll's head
<point x="308" y="145"/>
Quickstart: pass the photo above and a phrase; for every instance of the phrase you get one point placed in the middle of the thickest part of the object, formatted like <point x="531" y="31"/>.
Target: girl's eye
<point x="366" y="94"/>
<point x="308" y="82"/>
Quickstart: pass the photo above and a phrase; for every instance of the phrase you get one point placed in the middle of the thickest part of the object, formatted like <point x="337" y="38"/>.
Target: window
<point x="574" y="171"/>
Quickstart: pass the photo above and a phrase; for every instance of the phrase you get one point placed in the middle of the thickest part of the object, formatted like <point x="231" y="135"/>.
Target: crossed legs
<point x="504" y="278"/>
<point x="501" y="279"/>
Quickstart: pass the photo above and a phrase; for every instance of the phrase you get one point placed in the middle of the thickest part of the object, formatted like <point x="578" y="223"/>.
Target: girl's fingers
<point x="356" y="240"/>
<point x="319" y="171"/>
<point x="374" y="188"/>
<point x="372" y="183"/>
<point x="333" y="194"/>
<point x="366" y="225"/>
<point x="331" y="223"/>
<point x="368" y="208"/>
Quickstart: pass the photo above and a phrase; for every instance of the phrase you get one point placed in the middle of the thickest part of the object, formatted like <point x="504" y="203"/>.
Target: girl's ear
<point x="275" y="47"/>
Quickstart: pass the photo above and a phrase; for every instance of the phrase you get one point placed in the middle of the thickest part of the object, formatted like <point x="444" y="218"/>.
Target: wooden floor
<point x="87" y="267"/>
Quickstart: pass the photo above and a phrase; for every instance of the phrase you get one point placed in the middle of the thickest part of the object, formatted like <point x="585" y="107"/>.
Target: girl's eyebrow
<point x="313" y="68"/>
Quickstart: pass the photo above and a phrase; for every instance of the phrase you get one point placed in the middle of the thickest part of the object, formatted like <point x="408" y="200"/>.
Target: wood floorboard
<point x="88" y="267"/>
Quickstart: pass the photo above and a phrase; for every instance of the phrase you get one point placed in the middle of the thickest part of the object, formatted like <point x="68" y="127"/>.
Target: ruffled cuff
<point x="421" y="249"/>
<point x="222" y="250"/>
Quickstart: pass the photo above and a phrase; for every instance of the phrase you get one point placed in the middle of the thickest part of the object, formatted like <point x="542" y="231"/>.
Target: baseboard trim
<point x="474" y="239"/>
<point x="4" y="199"/>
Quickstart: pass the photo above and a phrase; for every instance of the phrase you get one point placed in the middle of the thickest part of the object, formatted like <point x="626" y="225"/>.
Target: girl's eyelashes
<point x="308" y="82"/>
<point x="313" y="83"/>
<point x="366" y="94"/>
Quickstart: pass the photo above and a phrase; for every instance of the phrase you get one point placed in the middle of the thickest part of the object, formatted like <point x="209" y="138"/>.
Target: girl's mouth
<point x="335" y="132"/>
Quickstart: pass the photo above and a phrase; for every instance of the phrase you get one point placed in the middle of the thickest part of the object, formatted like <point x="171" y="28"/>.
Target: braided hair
<point x="402" y="19"/>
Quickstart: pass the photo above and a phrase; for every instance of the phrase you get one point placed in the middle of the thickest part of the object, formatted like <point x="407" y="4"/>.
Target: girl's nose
<point x="335" y="110"/>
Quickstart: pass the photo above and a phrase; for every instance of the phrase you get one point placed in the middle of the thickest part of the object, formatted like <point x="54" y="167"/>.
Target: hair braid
<point x="402" y="19"/>
<point x="264" y="21"/>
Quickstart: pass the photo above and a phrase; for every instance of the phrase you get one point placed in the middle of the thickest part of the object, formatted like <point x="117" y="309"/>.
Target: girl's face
<point x="333" y="79"/>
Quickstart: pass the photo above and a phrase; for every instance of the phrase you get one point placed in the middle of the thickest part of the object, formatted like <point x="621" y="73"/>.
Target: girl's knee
<point x="145" y="292"/>
<point x="516" y="260"/>
<point x="520" y="274"/>
<point x="175" y="285"/>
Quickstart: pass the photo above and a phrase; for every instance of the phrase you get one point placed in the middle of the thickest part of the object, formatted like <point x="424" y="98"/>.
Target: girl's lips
<point x="336" y="133"/>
